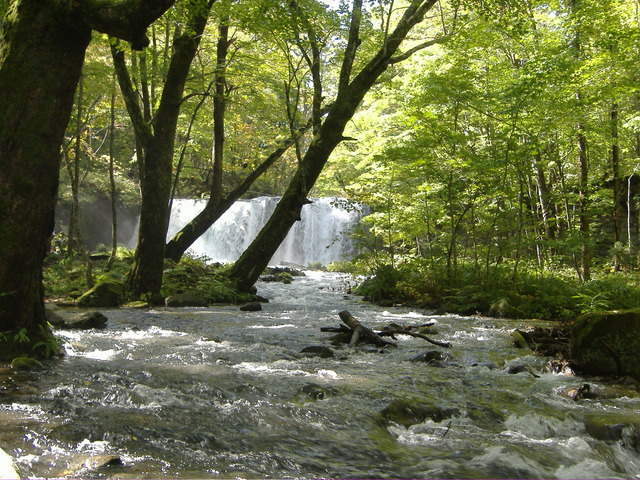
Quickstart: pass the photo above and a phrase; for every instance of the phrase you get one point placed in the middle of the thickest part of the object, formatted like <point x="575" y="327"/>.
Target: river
<point x="219" y="393"/>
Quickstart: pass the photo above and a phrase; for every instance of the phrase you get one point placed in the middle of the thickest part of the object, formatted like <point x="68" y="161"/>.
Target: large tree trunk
<point x="256" y="257"/>
<point x="32" y="127"/>
<point x="42" y="46"/>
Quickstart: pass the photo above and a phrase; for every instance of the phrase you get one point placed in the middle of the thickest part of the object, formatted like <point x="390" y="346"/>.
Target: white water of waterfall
<point x="319" y="237"/>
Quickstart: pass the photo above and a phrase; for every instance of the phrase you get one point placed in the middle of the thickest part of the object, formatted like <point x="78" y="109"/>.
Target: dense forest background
<point x="499" y="160"/>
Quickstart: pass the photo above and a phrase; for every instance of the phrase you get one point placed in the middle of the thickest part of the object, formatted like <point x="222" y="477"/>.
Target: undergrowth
<point x="67" y="277"/>
<point x="529" y="294"/>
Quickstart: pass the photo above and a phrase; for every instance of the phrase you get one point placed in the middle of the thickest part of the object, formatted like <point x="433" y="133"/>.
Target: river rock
<point x="407" y="412"/>
<point x="318" y="351"/>
<point x="617" y="428"/>
<point x="106" y="293"/>
<point x="54" y="315"/>
<point x="86" y="321"/>
<point x="185" y="300"/>
<point x="607" y="344"/>
<point x="251" y="307"/>
<point x="25" y="363"/>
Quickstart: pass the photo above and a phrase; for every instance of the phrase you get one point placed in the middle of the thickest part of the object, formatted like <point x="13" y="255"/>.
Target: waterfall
<point x="319" y="237"/>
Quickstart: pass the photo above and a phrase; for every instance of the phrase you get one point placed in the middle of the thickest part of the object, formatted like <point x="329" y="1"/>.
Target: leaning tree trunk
<point x="42" y="47"/>
<point x="31" y="131"/>
<point x="256" y="257"/>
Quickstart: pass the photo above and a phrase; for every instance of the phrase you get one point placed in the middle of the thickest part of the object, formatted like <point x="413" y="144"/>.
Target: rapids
<point x="219" y="393"/>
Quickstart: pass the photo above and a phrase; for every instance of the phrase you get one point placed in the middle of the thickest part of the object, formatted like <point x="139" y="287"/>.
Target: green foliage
<point x="197" y="276"/>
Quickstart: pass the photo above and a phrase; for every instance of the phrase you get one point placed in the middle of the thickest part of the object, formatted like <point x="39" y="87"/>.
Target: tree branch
<point x="403" y="56"/>
<point x="127" y="20"/>
<point x="141" y="128"/>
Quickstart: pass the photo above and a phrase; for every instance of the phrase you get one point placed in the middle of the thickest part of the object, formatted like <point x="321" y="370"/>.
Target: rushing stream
<point x="219" y="393"/>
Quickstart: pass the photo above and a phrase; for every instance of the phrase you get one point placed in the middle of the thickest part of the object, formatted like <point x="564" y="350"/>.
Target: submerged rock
<point x="107" y="293"/>
<point x="318" y="351"/>
<point x="607" y="344"/>
<point x="615" y="428"/>
<point x="407" y="412"/>
<point x="251" y="307"/>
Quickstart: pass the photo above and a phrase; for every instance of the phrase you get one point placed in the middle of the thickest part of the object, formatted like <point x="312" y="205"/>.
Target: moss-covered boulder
<point x="106" y="293"/>
<point x="607" y="344"/>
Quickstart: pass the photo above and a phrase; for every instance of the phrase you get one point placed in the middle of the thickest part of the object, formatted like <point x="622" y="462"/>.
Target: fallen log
<point x="360" y="330"/>
<point x="398" y="330"/>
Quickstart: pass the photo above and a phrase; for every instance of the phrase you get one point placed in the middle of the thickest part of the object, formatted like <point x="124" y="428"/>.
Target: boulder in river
<point x="59" y="317"/>
<point x="607" y="344"/>
<point x="86" y="321"/>
<point x="251" y="307"/>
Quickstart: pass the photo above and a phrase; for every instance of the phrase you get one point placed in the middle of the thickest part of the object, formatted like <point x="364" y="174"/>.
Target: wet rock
<point x="407" y="412"/>
<point x="107" y="293"/>
<point x="607" y="344"/>
<point x="576" y="393"/>
<point x="100" y="461"/>
<point x="316" y="392"/>
<point x="434" y="358"/>
<point x="318" y="351"/>
<point x="54" y="315"/>
<point x="86" y="321"/>
<point x="617" y="428"/>
<point x="185" y="300"/>
<point x="251" y="307"/>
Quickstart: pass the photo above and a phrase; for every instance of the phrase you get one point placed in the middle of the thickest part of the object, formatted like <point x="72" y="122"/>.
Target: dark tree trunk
<point x="157" y="140"/>
<point x="42" y="46"/>
<point x="32" y="127"/>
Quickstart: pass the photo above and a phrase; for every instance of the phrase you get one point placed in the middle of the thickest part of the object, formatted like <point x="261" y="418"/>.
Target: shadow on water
<point x="218" y="393"/>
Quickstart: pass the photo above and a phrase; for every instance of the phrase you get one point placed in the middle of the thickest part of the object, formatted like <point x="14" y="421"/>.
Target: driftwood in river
<point x="394" y="329"/>
<point x="360" y="330"/>
<point x="357" y="331"/>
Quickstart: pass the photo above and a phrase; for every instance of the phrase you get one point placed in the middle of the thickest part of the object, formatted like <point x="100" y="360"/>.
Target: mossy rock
<point x="607" y="344"/>
<point x="25" y="363"/>
<point x="107" y="293"/>
<point x="503" y="309"/>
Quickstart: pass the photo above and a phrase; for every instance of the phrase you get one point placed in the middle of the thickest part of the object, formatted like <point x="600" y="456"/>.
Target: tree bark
<point x="42" y="48"/>
<point x="157" y="141"/>
<point x="256" y="257"/>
